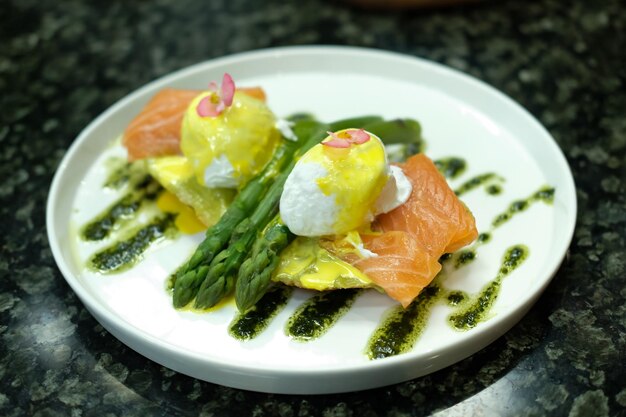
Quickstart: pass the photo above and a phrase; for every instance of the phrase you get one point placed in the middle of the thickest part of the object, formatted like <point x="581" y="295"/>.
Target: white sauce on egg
<point x="220" y="174"/>
<point x="395" y="193"/>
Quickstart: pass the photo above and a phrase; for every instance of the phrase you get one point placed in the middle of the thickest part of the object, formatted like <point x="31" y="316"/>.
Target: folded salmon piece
<point x="413" y="236"/>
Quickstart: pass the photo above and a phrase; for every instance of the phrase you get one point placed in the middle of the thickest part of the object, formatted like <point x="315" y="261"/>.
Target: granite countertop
<point x="64" y="62"/>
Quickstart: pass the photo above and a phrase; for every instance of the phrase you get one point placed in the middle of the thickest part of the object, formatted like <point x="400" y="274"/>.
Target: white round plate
<point x="460" y="116"/>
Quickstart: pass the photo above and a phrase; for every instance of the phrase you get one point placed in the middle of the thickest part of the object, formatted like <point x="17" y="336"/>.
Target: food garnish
<point x="213" y="105"/>
<point x="318" y="205"/>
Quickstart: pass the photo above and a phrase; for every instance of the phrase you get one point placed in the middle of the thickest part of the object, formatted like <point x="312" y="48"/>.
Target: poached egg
<point x="340" y="185"/>
<point x="227" y="149"/>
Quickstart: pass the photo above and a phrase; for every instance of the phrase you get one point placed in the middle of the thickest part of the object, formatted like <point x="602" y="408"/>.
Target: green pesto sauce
<point x="124" y="209"/>
<point x="126" y="252"/>
<point x="400" y="152"/>
<point x="468" y="255"/>
<point x="170" y="282"/>
<point x="486" y="180"/>
<point x="250" y="324"/>
<point x="478" y="307"/>
<point x="319" y="313"/>
<point x="455" y="298"/>
<point x="451" y="167"/>
<point x="484" y="237"/>
<point x="402" y="326"/>
<point x="445" y="257"/>
<point x="297" y="117"/>
<point x="494" y="189"/>
<point x="122" y="172"/>
<point x="463" y="257"/>
<point x="545" y="194"/>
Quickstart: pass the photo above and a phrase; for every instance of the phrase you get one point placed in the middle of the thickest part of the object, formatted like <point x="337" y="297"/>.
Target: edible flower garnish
<point x="347" y="137"/>
<point x="214" y="104"/>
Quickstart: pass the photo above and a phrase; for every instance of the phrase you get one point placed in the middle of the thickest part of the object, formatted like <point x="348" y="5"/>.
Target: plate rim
<point x="231" y="375"/>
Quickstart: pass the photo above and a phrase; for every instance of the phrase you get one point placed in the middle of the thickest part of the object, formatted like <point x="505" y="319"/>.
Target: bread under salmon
<point x="413" y="236"/>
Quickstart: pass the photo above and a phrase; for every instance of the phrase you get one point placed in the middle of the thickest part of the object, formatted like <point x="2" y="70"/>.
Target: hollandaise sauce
<point x="304" y="263"/>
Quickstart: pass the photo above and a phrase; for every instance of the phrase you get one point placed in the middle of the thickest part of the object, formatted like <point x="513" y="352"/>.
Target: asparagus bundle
<point x="255" y="273"/>
<point x="216" y="265"/>
<point x="204" y="265"/>
<point x="222" y="271"/>
<point x="191" y="275"/>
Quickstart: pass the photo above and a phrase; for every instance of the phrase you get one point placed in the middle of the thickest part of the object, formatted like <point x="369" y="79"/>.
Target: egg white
<point x="395" y="193"/>
<point x="220" y="173"/>
<point x="303" y="206"/>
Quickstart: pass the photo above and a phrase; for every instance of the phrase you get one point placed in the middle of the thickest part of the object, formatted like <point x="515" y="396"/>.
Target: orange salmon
<point x="414" y="236"/>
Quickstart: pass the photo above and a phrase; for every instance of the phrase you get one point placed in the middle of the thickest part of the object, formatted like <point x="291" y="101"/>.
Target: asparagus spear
<point x="190" y="276"/>
<point x="223" y="269"/>
<point x="341" y="124"/>
<point x="402" y="137"/>
<point x="396" y="131"/>
<point x="255" y="273"/>
<point x="254" y="277"/>
<point x="355" y="122"/>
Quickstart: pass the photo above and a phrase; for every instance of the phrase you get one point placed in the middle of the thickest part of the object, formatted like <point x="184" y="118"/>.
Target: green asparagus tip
<point x="187" y="285"/>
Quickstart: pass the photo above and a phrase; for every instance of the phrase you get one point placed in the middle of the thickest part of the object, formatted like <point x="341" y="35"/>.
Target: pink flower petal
<point x="228" y="89"/>
<point x="337" y="143"/>
<point x="213" y="87"/>
<point x="206" y="108"/>
<point x="359" y="136"/>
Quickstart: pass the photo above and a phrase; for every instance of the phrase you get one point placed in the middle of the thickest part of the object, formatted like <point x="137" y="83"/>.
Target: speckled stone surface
<point x="64" y="62"/>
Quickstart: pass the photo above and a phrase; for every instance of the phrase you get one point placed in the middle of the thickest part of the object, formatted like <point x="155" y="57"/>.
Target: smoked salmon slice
<point x="413" y="236"/>
<point x="403" y="267"/>
<point x="433" y="212"/>
<point x="155" y="131"/>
